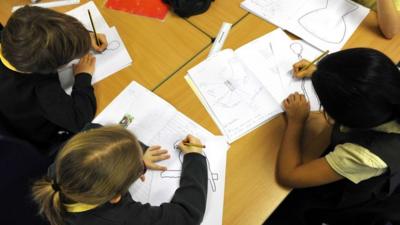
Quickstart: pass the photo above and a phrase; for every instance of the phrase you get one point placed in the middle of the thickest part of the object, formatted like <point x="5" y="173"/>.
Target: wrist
<point x="296" y="123"/>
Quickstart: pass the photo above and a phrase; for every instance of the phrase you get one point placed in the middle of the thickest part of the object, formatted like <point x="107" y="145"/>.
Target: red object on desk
<point x="151" y="8"/>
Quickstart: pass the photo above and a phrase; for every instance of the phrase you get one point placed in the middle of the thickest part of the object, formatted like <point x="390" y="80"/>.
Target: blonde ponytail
<point x="92" y="168"/>
<point x="48" y="200"/>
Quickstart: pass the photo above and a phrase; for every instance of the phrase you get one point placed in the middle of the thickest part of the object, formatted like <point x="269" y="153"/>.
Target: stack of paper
<point x="243" y="89"/>
<point x="156" y="122"/>
<point x="326" y="24"/>
<point x="112" y="60"/>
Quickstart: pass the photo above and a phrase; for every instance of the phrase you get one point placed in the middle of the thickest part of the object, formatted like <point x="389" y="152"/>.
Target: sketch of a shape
<point x="175" y="173"/>
<point x="113" y="45"/>
<point x="268" y="7"/>
<point x="328" y="23"/>
<point x="232" y="91"/>
<point x="297" y="49"/>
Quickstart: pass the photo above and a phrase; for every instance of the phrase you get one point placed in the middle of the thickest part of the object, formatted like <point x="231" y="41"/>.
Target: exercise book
<point x="326" y="24"/>
<point x="244" y="89"/>
<point x="156" y="122"/>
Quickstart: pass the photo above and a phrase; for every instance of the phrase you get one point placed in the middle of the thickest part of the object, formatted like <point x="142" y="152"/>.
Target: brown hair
<point x="41" y="40"/>
<point x="92" y="168"/>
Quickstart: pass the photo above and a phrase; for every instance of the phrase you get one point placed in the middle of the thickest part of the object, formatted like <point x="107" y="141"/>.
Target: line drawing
<point x="333" y="35"/>
<point x="176" y="173"/>
<point x="230" y="92"/>
<point x="268" y="8"/>
<point x="113" y="45"/>
<point x="297" y="49"/>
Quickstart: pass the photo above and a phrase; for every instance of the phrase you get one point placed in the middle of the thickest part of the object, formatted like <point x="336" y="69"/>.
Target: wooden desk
<point x="368" y="35"/>
<point x="251" y="190"/>
<point x="157" y="48"/>
<point x="220" y="11"/>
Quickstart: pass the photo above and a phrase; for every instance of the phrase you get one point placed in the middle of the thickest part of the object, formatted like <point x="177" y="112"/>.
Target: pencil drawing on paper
<point x="268" y="7"/>
<point x="297" y="49"/>
<point x="326" y="23"/>
<point x="113" y="45"/>
<point x="231" y="91"/>
<point x="176" y="173"/>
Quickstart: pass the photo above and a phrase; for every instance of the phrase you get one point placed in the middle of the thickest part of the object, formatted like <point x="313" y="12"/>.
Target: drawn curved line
<point x="113" y="45"/>
<point x="297" y="52"/>
<point x="177" y="173"/>
<point x="342" y="18"/>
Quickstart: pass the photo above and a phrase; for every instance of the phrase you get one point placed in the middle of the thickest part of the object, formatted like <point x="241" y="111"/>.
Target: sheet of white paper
<point x="270" y="58"/>
<point x="112" y="60"/>
<point x="81" y="13"/>
<point x="302" y="50"/>
<point x="158" y="123"/>
<point x="239" y="103"/>
<point x="263" y="56"/>
<point x="326" y="24"/>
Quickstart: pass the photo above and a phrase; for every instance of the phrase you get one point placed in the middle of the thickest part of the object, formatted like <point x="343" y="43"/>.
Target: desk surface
<point x="158" y="48"/>
<point x="251" y="191"/>
<point x="220" y="11"/>
<point x="161" y="48"/>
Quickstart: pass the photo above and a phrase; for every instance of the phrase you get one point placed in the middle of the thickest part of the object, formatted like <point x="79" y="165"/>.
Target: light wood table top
<point x="158" y="48"/>
<point x="251" y="190"/>
<point x="220" y="11"/>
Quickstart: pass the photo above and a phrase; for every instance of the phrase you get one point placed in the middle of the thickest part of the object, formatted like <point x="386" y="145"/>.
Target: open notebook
<point x="243" y="89"/>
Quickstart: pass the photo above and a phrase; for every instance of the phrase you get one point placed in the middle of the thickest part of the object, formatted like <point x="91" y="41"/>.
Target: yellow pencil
<point x="94" y="29"/>
<point x="194" y="145"/>
<point x="315" y="60"/>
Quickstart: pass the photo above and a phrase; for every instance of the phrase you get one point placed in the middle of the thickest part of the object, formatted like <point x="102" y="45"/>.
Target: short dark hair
<point x="358" y="87"/>
<point x="41" y="40"/>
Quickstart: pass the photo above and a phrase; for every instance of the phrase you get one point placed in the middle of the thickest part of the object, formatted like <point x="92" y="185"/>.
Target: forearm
<point x="290" y="152"/>
<point x="388" y="18"/>
<point x="189" y="202"/>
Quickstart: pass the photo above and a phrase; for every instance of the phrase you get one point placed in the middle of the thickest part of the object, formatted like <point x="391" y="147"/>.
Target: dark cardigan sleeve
<point x="188" y="204"/>
<point x="69" y="112"/>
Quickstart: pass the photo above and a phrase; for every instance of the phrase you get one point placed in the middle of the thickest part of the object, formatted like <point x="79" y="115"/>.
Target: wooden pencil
<point x="94" y="29"/>
<point x="194" y="145"/>
<point x="315" y="60"/>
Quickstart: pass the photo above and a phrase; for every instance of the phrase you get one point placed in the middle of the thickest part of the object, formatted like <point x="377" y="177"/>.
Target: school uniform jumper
<point x="187" y="206"/>
<point x="34" y="106"/>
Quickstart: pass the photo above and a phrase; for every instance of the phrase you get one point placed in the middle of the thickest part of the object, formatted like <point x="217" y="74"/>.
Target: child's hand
<point x="154" y="154"/>
<point x="299" y="73"/>
<point x="190" y="139"/>
<point x="86" y="65"/>
<point x="102" y="39"/>
<point x="297" y="108"/>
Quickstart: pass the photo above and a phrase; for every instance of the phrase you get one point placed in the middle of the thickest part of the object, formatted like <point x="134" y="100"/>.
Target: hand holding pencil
<point x="99" y="41"/>
<point x="191" y="144"/>
<point x="102" y="42"/>
<point x="304" y="68"/>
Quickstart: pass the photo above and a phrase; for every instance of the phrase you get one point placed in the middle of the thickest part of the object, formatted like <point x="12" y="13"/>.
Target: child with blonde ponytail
<point x="92" y="174"/>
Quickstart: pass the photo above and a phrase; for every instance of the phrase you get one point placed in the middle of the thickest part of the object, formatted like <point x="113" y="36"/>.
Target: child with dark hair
<point x="356" y="180"/>
<point x="35" y="42"/>
<point x="94" y="170"/>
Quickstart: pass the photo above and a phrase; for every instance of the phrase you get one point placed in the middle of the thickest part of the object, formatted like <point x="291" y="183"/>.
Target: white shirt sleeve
<point x="355" y="162"/>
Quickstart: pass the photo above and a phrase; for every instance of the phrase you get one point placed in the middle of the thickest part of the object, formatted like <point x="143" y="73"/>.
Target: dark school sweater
<point x="34" y="107"/>
<point x="187" y="206"/>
